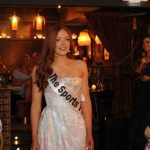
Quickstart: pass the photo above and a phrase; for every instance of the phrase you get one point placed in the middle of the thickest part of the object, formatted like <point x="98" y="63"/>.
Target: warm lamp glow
<point x="14" y="22"/>
<point x="93" y="87"/>
<point x="84" y="39"/>
<point x="97" y="40"/>
<point x="16" y="142"/>
<point x="106" y="54"/>
<point x="39" y="36"/>
<point x="59" y="6"/>
<point x="38" y="21"/>
<point x="135" y="1"/>
<point x="16" y="137"/>
<point x="74" y="36"/>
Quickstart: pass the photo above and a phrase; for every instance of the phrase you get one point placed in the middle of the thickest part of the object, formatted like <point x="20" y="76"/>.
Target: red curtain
<point x="115" y="32"/>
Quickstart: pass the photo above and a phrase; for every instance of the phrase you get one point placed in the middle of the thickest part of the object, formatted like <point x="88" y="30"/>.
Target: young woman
<point x="66" y="121"/>
<point x="141" y="117"/>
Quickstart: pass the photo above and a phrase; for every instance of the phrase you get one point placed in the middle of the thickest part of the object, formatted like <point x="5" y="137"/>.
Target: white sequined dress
<point x="62" y="126"/>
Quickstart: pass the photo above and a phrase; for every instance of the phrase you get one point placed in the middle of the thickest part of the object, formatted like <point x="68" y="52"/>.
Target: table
<point x="101" y="103"/>
<point x="102" y="111"/>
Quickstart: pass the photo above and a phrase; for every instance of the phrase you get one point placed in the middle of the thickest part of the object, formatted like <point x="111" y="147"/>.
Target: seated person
<point x="21" y="76"/>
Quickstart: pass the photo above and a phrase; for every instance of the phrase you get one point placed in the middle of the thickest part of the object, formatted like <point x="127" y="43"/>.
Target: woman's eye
<point x="68" y="40"/>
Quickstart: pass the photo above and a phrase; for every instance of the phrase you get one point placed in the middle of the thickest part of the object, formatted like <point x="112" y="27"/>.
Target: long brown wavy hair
<point x="44" y="68"/>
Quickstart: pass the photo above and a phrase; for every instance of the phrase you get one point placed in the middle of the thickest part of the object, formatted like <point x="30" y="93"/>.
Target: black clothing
<point x="141" y="116"/>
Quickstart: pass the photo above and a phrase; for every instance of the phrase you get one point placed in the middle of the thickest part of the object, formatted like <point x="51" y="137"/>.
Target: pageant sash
<point x="59" y="87"/>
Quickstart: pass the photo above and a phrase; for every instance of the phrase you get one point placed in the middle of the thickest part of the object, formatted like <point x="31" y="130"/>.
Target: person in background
<point x="66" y="121"/>
<point x="147" y="135"/>
<point x="35" y="57"/>
<point x="141" y="117"/>
<point x="21" y="76"/>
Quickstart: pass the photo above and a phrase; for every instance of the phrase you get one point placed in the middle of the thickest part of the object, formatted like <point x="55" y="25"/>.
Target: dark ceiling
<point x="71" y="13"/>
<point x="77" y="3"/>
<point x="67" y="15"/>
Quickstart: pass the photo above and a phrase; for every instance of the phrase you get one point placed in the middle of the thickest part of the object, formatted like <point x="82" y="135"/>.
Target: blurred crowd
<point x="21" y="75"/>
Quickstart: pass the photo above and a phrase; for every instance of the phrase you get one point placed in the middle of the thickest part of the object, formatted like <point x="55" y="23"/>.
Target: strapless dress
<point x="62" y="126"/>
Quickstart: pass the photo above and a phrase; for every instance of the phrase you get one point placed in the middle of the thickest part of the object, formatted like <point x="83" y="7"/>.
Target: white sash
<point x="59" y="88"/>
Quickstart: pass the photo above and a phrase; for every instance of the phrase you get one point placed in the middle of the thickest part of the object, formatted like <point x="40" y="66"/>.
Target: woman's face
<point x="26" y="61"/>
<point x="146" y="44"/>
<point x="62" y="43"/>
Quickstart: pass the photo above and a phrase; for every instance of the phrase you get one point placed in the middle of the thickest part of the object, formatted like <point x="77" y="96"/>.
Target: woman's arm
<point x="145" y="78"/>
<point x="35" y="111"/>
<point x="86" y="106"/>
<point x="147" y="132"/>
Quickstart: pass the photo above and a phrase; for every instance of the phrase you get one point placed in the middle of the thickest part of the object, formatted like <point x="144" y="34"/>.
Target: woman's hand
<point x="147" y="132"/>
<point x="143" y="60"/>
<point x="35" y="145"/>
<point x="140" y="66"/>
<point x="145" y="78"/>
<point x="89" y="142"/>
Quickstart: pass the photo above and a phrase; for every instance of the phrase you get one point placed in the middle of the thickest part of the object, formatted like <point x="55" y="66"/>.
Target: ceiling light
<point x="14" y="22"/>
<point x="38" y="21"/>
<point x="135" y="2"/>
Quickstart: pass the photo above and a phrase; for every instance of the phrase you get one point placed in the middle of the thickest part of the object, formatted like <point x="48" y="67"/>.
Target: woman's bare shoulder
<point x="82" y="64"/>
<point x="79" y="63"/>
